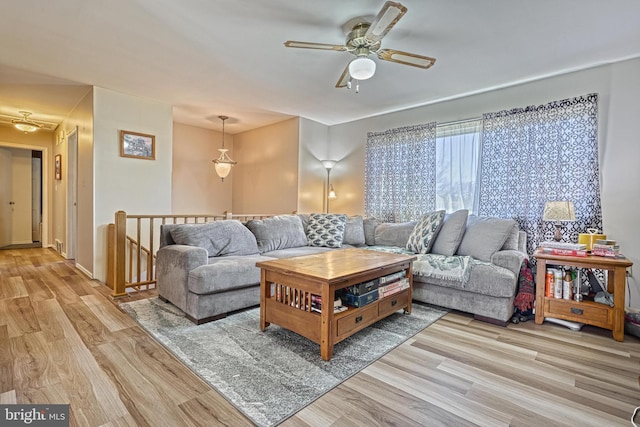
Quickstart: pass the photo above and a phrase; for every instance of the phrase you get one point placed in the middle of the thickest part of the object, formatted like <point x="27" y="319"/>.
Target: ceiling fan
<point x="363" y="39"/>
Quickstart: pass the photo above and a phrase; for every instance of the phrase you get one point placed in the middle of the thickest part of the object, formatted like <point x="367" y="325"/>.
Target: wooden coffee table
<point x="295" y="280"/>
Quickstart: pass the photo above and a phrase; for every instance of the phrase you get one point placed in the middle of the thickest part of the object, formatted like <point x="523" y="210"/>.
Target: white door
<point x="72" y="194"/>
<point x="6" y="185"/>
<point x="21" y="195"/>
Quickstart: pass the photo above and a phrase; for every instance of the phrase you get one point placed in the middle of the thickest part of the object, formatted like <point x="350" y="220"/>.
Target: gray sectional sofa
<point x="208" y="270"/>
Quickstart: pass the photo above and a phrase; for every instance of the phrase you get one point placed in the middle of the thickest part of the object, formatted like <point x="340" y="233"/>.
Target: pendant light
<point x="223" y="163"/>
<point x="24" y="124"/>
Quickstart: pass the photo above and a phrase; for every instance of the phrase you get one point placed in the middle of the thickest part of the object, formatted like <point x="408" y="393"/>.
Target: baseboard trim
<point x="84" y="271"/>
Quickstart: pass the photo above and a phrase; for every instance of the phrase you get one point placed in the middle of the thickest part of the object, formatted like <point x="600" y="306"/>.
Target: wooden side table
<point x="588" y="312"/>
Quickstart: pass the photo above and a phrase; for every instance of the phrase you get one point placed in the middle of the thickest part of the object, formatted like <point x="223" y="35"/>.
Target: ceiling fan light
<point x="362" y="68"/>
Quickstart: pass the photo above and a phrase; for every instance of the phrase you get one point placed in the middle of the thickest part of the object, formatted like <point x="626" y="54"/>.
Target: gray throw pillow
<point x="354" y="231"/>
<point x="425" y="231"/>
<point x="219" y="238"/>
<point x="278" y="232"/>
<point x="448" y="239"/>
<point x="370" y="225"/>
<point x="512" y="240"/>
<point x="326" y="230"/>
<point x="485" y="236"/>
<point x="394" y="233"/>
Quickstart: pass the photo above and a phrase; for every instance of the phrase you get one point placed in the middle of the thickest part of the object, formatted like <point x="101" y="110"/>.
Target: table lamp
<point x="559" y="211"/>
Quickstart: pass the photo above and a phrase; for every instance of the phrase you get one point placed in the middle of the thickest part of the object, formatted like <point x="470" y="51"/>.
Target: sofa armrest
<point x="173" y="264"/>
<point x="509" y="259"/>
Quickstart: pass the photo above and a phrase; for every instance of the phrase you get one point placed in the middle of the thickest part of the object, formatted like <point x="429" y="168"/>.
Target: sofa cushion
<point x="484" y="236"/>
<point x="369" y="225"/>
<point x="219" y="238"/>
<point x="448" y="239"/>
<point x="305" y="221"/>
<point x="354" y="231"/>
<point x="512" y="239"/>
<point x="299" y="251"/>
<point x="225" y="273"/>
<point x="424" y="233"/>
<point x="278" y="232"/>
<point x="326" y="230"/>
<point x="485" y="279"/>
<point x="393" y="233"/>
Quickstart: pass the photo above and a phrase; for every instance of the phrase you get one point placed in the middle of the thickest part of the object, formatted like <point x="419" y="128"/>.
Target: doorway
<point x="23" y="196"/>
<point x="21" y="215"/>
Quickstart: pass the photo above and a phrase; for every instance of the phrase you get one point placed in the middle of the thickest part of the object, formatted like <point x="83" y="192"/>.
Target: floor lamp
<point x="331" y="194"/>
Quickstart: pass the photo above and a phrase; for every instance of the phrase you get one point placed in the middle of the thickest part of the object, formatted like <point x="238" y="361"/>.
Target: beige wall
<point x="196" y="188"/>
<point x="265" y="180"/>
<point x="120" y="183"/>
<point x="619" y="89"/>
<point x="311" y="174"/>
<point x="42" y="141"/>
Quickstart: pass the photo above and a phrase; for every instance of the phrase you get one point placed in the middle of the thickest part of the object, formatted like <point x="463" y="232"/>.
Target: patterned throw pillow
<point x="425" y="231"/>
<point x="326" y="230"/>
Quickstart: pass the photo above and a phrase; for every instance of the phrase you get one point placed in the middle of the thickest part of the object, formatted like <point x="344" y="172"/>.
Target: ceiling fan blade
<point x="344" y="79"/>
<point x="406" y="58"/>
<point x="390" y="13"/>
<point x="321" y="46"/>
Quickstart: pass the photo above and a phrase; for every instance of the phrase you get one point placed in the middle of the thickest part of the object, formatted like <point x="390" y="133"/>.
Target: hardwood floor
<point x="63" y="340"/>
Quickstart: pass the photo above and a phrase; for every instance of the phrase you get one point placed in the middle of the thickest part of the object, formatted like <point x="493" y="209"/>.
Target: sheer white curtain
<point x="458" y="148"/>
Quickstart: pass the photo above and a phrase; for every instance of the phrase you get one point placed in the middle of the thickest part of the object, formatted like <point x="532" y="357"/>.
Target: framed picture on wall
<point x="58" y="168"/>
<point x="137" y="145"/>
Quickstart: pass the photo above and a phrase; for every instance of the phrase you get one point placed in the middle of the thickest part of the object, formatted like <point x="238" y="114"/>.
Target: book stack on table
<point x="563" y="248"/>
<point x="606" y="248"/>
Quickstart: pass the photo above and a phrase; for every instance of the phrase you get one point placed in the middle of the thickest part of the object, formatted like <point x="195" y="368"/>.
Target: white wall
<point x="80" y="118"/>
<point x="619" y="90"/>
<point x="196" y="188"/>
<point x="120" y="183"/>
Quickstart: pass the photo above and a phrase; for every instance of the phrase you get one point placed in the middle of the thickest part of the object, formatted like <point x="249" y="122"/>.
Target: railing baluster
<point x="150" y="270"/>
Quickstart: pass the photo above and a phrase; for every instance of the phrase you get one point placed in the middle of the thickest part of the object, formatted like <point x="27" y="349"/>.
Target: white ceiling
<point x="211" y="57"/>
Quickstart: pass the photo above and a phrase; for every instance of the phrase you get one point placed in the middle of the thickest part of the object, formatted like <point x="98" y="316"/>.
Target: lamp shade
<point x="362" y="68"/>
<point x="559" y="211"/>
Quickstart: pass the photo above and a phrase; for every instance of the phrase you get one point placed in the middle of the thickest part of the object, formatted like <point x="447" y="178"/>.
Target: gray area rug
<point x="271" y="375"/>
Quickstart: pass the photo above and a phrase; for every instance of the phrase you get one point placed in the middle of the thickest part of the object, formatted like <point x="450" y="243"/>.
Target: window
<point x="457" y="165"/>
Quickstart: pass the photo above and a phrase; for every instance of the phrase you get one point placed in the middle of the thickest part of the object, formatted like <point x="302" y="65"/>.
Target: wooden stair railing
<point x="131" y="252"/>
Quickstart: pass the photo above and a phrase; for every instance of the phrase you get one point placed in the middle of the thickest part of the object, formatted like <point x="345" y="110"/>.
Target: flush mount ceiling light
<point x="223" y="163"/>
<point x="24" y="124"/>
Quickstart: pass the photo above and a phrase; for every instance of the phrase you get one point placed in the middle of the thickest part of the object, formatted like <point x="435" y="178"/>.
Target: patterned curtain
<point x="542" y="153"/>
<point x="400" y="176"/>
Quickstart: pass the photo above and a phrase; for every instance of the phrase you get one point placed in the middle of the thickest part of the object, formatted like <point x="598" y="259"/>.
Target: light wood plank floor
<point x="62" y="340"/>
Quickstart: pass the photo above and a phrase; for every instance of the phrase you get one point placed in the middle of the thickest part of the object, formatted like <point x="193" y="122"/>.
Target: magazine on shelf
<point x="316" y="304"/>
